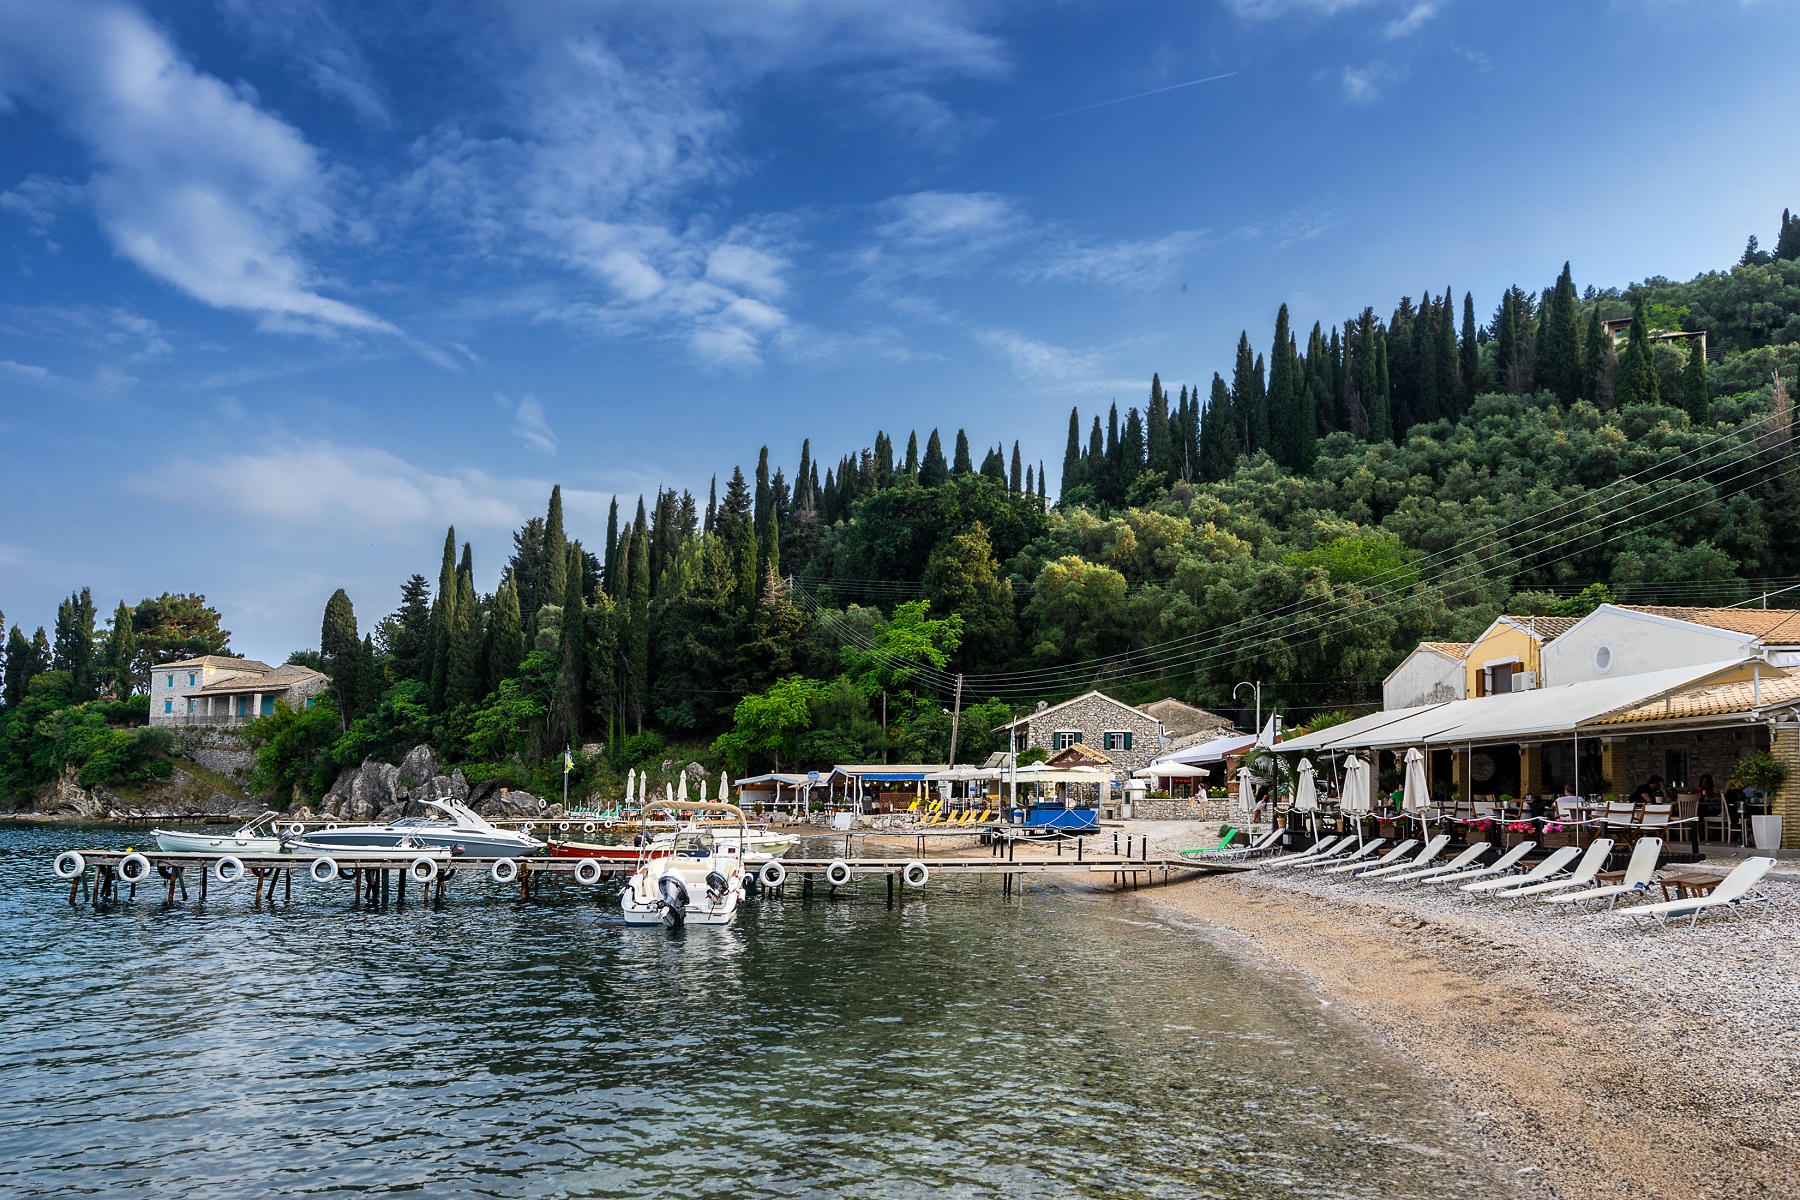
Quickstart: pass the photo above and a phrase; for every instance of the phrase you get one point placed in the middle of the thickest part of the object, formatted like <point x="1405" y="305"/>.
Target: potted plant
<point x="1763" y="772"/>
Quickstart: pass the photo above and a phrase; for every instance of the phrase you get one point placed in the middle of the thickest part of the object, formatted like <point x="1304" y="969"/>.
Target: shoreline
<point x="1611" y="1064"/>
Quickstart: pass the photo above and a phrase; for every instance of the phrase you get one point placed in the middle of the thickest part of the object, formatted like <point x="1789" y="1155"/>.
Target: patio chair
<point x="1433" y="849"/>
<point x="1553" y="865"/>
<point x="1639" y="873"/>
<point x="1582" y="876"/>
<point x="1620" y="819"/>
<point x="1401" y="850"/>
<point x="1470" y="855"/>
<point x="1319" y="849"/>
<point x="1506" y="864"/>
<point x="1722" y="820"/>
<point x="1227" y="835"/>
<point x="1735" y="890"/>
<point x="1347" y="852"/>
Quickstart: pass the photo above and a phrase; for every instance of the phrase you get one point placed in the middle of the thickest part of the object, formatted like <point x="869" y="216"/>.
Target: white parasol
<point x="1246" y="794"/>
<point x="1355" y="800"/>
<point x="1417" y="796"/>
<point x="681" y="792"/>
<point x="630" y="785"/>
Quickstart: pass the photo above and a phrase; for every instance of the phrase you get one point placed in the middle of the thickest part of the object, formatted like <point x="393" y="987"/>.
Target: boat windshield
<point x="694" y="845"/>
<point x="415" y="823"/>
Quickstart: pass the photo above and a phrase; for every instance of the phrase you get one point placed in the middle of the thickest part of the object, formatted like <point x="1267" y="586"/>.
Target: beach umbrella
<point x="1306" y="793"/>
<point x="630" y="784"/>
<point x="681" y="792"/>
<point x="1356" y="791"/>
<point x="1246" y="790"/>
<point x="724" y="786"/>
<point x="1417" y="796"/>
<point x="704" y="782"/>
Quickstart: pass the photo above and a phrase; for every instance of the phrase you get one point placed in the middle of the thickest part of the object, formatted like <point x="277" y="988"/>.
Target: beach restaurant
<point x="1599" y="737"/>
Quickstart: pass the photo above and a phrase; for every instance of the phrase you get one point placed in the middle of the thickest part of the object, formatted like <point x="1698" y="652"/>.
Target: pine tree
<point x="1072" y="461"/>
<point x="1468" y="356"/>
<point x="505" y="635"/>
<point x="1221" y="442"/>
<point x="1637" y="381"/>
<point x="74" y="651"/>
<point x="340" y="646"/>
<point x="1694" y="396"/>
<point x="637" y="631"/>
<point x="121" y="652"/>
<point x="556" y="551"/>
<point x="934" y="470"/>
<point x="1159" y="446"/>
<point x="22" y="665"/>
<point x="1015" y="478"/>
<point x="609" y="572"/>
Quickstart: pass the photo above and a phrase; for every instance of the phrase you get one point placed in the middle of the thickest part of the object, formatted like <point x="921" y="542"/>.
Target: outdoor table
<point x="1604" y="878"/>
<point x="1686" y="887"/>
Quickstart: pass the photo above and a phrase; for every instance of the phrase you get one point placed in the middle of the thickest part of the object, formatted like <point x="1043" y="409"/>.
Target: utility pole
<point x="884" y="737"/>
<point x="955" y="719"/>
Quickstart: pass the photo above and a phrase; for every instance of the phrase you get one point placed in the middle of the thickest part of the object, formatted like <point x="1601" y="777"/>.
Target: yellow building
<point x="1508" y="656"/>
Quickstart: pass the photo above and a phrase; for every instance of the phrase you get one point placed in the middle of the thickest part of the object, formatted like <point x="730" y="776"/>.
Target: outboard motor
<point x="715" y="888"/>
<point x="674" y="900"/>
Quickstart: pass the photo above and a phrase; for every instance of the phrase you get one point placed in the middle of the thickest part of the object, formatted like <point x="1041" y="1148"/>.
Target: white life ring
<point x="323" y="870"/>
<point x="543" y="804"/>
<point x="134" y="868"/>
<point x="562" y="827"/>
<point x="424" y="868"/>
<point x="915" y="874"/>
<point x="588" y="828"/>
<point x="330" y="825"/>
<point x="773" y="874"/>
<point x="838" y="873"/>
<point x="527" y="827"/>
<point x="69" y="864"/>
<point x="229" y="869"/>
<point x="587" y="872"/>
<point x="504" y="870"/>
<point x="296" y="830"/>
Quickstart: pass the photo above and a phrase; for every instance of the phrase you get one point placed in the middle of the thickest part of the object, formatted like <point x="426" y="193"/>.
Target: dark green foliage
<point x="963" y="578"/>
<point x="933" y="471"/>
<point x="443" y="620"/>
<point x="556" y="550"/>
<point x="405" y="635"/>
<point x="177" y="625"/>
<point x="1637" y="379"/>
<point x="1558" y="364"/>
<point x="1694" y="396"/>
<point x="466" y="670"/>
<point x="73" y="650"/>
<point x="608" y="573"/>
<point x="22" y="665"/>
<point x="341" y="649"/>
<point x="1787" y="245"/>
<point x="505" y="636"/>
<point x="1468" y="354"/>
<point x="1220" y="444"/>
<point x="962" y="464"/>
<point x="118" y="663"/>
<point x="1283" y="404"/>
<point x="1598" y="362"/>
<point x="294" y="750"/>
<point x="636" y="656"/>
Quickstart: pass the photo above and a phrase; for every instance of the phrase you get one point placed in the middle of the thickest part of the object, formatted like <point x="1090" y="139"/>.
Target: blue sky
<point x="287" y="285"/>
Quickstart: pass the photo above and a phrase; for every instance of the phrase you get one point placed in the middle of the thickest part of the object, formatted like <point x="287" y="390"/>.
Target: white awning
<point x="1349" y="732"/>
<point x="1209" y="752"/>
<point x="1172" y="770"/>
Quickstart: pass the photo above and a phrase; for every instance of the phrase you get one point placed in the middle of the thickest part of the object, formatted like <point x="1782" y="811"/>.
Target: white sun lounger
<point x="1737" y="888"/>
<point x="1362" y="853"/>
<point x="1261" y="845"/>
<point x="1598" y="851"/>
<point x="1468" y="856"/>
<point x="1638" y="874"/>
<point x="1429" y="854"/>
<point x="1387" y="860"/>
<point x="1319" y="849"/>
<point x="1551" y="867"/>
<point x="1504" y="865"/>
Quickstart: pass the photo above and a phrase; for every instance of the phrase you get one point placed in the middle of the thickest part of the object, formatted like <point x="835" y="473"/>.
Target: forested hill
<point x="1347" y="492"/>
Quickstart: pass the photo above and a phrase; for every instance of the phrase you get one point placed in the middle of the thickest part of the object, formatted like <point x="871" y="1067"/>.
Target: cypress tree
<point x="1243" y="394"/>
<point x="963" y="465"/>
<point x="443" y="613"/>
<point x="1637" y="382"/>
<point x="1259" y="432"/>
<point x="1787" y="245"/>
<point x="1040" y="483"/>
<point x="803" y="476"/>
<point x="912" y="454"/>
<point x="712" y="503"/>
<point x="1159" y="446"/>
<point x="565" y="700"/>
<point x="121" y="652"/>
<point x="993" y="466"/>
<point x="1015" y="478"/>
<point x="1597" y="361"/>
<point x="1028" y="481"/>
<point x="340" y="647"/>
<point x="761" y="509"/>
<point x="934" y="470"/>
<point x="884" y="461"/>
<point x="1429" y="405"/>
<point x="1221" y="442"/>
<point x="1093" y="463"/>
<point x="637" y="631"/>
<point x="368" y="678"/>
<point x="1283" y="405"/>
<point x="1449" y="387"/>
<point x="1506" y="343"/>
<point x="1072" y="461"/>
<point x="1384" y="391"/>
<point x="74" y="650"/>
<point x="1558" y="366"/>
<point x="556" y="550"/>
<point x="1468" y="356"/>
<point x="467" y="669"/>
<point x="609" y="572"/>
<point x="1306" y="440"/>
<point x="1694" y="397"/>
<point x="1317" y="372"/>
<point x="22" y="664"/>
<point x="1131" y="453"/>
<point x="1113" y="461"/>
<point x="506" y="634"/>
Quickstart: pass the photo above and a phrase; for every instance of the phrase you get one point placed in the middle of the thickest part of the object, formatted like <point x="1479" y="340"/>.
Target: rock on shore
<point x="378" y="791"/>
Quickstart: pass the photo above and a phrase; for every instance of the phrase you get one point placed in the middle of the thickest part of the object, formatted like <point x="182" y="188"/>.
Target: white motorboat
<point x="700" y="883"/>
<point x="261" y="836"/>
<point x="465" y="833"/>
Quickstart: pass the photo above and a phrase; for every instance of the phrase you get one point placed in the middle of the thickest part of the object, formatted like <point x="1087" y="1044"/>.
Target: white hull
<point x="677" y="891"/>
<point x="201" y="843"/>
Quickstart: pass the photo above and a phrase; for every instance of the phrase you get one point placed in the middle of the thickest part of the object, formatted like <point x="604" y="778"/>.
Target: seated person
<point x="1648" y="792"/>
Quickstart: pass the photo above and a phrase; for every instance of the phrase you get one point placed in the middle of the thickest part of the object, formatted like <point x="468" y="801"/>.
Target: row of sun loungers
<point x="1552" y="880"/>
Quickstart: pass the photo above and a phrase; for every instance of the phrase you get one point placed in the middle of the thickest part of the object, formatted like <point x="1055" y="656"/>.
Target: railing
<point x="202" y="719"/>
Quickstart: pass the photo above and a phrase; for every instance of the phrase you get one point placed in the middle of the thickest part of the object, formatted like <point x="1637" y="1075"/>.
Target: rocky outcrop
<point x="378" y="791"/>
<point x="419" y="766"/>
<point x="218" y="751"/>
<point x="183" y="796"/>
<point x="513" y="805"/>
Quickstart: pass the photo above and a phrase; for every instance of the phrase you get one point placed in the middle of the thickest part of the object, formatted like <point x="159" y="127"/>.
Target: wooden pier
<point x="102" y="877"/>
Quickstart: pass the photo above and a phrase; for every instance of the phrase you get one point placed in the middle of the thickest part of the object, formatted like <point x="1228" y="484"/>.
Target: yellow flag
<point x="568" y="762"/>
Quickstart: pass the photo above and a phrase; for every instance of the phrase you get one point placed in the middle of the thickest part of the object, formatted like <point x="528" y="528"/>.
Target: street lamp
<point x="1258" y="686"/>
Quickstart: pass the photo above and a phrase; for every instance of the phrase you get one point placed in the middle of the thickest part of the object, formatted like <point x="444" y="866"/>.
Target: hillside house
<point x="216" y="690"/>
<point x="1129" y="737"/>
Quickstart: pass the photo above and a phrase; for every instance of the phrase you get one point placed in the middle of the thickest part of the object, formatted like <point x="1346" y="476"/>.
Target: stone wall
<point x="1179" y="809"/>
<point x="1785" y="746"/>
<point x="220" y="751"/>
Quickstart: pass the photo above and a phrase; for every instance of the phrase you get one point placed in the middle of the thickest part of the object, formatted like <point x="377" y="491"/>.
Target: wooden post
<point x="203" y="878"/>
<point x="287" y="891"/>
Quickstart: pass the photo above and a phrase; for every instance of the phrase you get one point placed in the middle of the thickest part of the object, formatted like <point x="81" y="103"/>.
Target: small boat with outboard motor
<point x="462" y="831"/>
<point x="700" y="882"/>
<point x="261" y="836"/>
<point x="757" y="846"/>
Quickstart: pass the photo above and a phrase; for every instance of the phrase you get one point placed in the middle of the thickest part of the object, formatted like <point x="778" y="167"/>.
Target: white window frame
<point x="1062" y="739"/>
<point x="1122" y="743"/>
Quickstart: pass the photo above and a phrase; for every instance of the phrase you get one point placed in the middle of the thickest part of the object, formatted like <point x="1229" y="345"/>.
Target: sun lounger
<point x="1319" y="849"/>
<point x="1467" y="858"/>
<point x="1227" y="835"/>
<point x="1429" y="854"/>
<point x="1551" y="867"/>
<point x="1365" y="852"/>
<point x="1506" y="864"/>
<point x="1737" y="888"/>
<point x="1598" y="851"/>
<point x="1638" y="874"/>
<point x="1226" y="850"/>
<point x="1387" y="860"/>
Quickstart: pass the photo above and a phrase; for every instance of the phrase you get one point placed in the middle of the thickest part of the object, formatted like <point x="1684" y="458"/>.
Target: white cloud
<point x="195" y="183"/>
<point x="1363" y="85"/>
<point x="1047" y="366"/>
<point x="530" y="425"/>
<point x="1411" y="21"/>
<point x="1135" y="265"/>
<point x="302" y="34"/>
<point x="40" y="199"/>
<point x="1268" y="10"/>
<point x="28" y="370"/>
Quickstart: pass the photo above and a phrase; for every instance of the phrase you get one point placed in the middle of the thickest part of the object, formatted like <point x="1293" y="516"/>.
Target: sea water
<point x="957" y="1044"/>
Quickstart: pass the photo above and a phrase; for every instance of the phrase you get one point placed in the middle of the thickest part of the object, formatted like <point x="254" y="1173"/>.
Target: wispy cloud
<point x="529" y="424"/>
<point x="1411" y="21"/>
<point x="25" y="370"/>
<point x="195" y="184"/>
<point x="304" y="35"/>
<point x="40" y="200"/>
<point x="1050" y="367"/>
<point x="116" y="331"/>
<point x="1268" y="10"/>
<point x="1364" y="85"/>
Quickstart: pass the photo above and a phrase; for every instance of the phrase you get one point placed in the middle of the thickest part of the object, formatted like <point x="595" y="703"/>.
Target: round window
<point x="1482" y="767"/>
<point x="1603" y="659"/>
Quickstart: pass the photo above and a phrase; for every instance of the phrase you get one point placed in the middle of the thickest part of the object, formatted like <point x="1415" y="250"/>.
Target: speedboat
<point x="756" y="847"/>
<point x="700" y="883"/>
<point x="462" y="831"/>
<point x="261" y="836"/>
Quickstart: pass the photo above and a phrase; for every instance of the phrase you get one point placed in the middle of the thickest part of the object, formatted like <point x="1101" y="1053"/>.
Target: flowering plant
<point x="1483" y="824"/>
<point x="1521" y="827"/>
<point x="1555" y="827"/>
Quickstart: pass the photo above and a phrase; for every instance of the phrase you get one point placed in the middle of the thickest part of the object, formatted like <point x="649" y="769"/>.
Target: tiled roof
<point x="1781" y="623"/>
<point x="1711" y="701"/>
<point x="219" y="660"/>
<point x="277" y="679"/>
<point x="1180" y="719"/>
<point x="1548" y="629"/>
<point x="1448" y="649"/>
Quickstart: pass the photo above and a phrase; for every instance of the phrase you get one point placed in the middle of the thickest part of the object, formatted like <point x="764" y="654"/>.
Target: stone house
<point x="1186" y="725"/>
<point x="214" y="690"/>
<point x="1129" y="737"/>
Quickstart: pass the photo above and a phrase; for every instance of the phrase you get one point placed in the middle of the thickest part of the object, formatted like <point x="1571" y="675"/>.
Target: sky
<point x="287" y="286"/>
